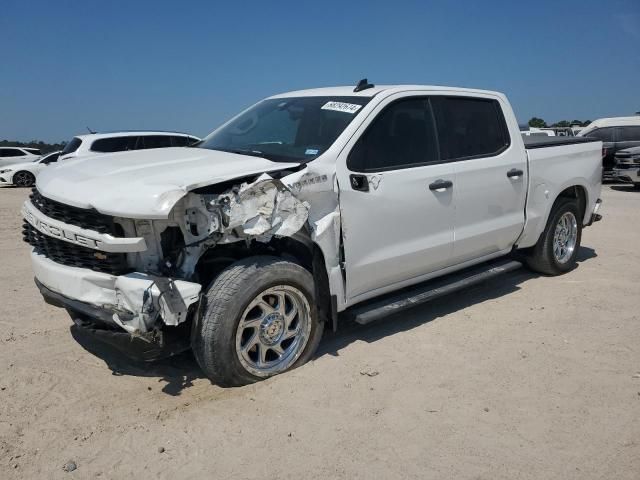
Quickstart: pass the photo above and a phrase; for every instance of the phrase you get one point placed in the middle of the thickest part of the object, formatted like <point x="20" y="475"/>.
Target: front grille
<point x="73" y="255"/>
<point x="80" y="217"/>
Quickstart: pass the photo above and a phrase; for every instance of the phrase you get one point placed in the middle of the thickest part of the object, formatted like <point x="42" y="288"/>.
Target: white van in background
<point x="616" y="133"/>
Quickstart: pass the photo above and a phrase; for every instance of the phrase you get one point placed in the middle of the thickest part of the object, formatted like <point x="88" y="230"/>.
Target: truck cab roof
<point x="348" y="91"/>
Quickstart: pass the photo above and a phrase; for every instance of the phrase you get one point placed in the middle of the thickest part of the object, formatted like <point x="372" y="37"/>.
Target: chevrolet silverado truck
<point x="246" y="245"/>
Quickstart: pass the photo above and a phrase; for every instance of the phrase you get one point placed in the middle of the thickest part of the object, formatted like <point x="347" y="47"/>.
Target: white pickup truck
<point x="310" y="203"/>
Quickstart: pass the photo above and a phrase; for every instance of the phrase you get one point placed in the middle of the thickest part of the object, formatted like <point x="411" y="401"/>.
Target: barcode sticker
<point x="342" y="107"/>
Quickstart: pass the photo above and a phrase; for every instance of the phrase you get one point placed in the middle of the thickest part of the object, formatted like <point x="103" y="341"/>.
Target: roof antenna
<point x="363" y="85"/>
<point x="90" y="131"/>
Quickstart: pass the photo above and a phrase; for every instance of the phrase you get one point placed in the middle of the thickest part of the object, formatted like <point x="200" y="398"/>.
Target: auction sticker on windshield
<point x="342" y="107"/>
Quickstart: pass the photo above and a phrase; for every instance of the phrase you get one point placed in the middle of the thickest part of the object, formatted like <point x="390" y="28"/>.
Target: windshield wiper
<point x="239" y="151"/>
<point x="242" y="151"/>
<point x="256" y="153"/>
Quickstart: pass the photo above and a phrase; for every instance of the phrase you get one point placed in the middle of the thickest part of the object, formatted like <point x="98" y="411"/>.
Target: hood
<point x="145" y="183"/>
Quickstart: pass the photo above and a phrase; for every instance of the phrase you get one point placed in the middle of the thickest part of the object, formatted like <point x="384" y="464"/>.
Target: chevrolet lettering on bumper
<point x="80" y="236"/>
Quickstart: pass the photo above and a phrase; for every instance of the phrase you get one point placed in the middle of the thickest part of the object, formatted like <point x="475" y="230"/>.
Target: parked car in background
<point x="10" y="155"/>
<point x="577" y="129"/>
<point x="35" y="151"/>
<point x="627" y="168"/>
<point x="616" y="133"/>
<point x="307" y="204"/>
<point x="97" y="143"/>
<point x="24" y="174"/>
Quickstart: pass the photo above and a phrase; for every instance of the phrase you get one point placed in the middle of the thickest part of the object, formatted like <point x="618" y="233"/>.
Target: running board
<point x="430" y="290"/>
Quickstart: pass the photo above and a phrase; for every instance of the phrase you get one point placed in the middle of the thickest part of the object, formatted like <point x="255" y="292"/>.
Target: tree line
<point x="540" y="123"/>
<point x="43" y="146"/>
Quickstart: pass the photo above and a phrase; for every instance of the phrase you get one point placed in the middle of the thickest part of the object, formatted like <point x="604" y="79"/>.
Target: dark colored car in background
<point x="616" y="134"/>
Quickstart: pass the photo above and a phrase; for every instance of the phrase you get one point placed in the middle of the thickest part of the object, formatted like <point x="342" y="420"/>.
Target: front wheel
<point x="23" y="179"/>
<point x="557" y="249"/>
<point x="259" y="318"/>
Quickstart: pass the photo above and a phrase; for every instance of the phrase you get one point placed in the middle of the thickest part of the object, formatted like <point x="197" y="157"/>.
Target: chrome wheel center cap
<point x="271" y="328"/>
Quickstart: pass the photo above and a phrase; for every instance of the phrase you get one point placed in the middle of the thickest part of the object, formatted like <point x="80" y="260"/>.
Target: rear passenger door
<point x="491" y="184"/>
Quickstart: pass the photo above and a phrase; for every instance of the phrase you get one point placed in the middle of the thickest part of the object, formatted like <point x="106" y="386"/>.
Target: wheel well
<point x="580" y="194"/>
<point x="299" y="249"/>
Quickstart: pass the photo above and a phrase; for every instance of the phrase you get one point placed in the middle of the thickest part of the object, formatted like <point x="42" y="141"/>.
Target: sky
<point x="190" y="65"/>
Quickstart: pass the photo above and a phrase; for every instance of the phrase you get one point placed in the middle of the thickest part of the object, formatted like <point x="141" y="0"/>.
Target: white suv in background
<point x="11" y="155"/>
<point x="96" y="143"/>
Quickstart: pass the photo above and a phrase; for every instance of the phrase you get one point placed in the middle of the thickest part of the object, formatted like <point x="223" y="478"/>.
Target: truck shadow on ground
<point x="179" y="372"/>
<point x="349" y="331"/>
<point x="176" y="373"/>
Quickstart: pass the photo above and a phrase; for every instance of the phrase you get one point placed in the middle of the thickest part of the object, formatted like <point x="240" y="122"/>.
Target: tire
<point x="544" y="257"/>
<point x="636" y="186"/>
<point x="252" y="290"/>
<point x="22" y="178"/>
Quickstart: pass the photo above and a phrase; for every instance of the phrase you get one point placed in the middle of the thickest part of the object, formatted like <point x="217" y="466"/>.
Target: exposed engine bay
<point x="209" y="228"/>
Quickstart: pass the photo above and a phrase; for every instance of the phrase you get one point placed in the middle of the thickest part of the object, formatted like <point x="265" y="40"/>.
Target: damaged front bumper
<point x="128" y="311"/>
<point x="95" y="321"/>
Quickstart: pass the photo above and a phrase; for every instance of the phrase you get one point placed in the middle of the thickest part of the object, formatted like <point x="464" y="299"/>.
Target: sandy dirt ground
<point x="525" y="377"/>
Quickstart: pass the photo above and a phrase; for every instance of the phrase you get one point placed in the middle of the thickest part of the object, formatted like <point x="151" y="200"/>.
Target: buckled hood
<point x="145" y="183"/>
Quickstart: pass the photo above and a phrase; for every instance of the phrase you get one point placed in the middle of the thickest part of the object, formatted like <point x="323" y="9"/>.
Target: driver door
<point x="396" y="199"/>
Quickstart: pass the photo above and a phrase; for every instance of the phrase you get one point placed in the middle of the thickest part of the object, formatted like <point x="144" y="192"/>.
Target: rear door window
<point x="470" y="127"/>
<point x="605" y="134"/>
<point x="180" y="141"/>
<point x="156" y="141"/>
<point x="629" y="134"/>
<point x="108" y="145"/>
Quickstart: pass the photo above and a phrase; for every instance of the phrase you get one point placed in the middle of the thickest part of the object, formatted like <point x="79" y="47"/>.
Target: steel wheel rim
<point x="565" y="237"/>
<point x="22" y="179"/>
<point x="273" y="330"/>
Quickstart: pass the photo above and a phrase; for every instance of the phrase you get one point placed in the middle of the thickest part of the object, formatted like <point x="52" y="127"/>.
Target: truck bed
<point x="542" y="142"/>
<point x="567" y="162"/>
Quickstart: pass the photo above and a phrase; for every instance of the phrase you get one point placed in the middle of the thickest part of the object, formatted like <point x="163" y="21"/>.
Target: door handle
<point x="515" y="173"/>
<point x="440" y="185"/>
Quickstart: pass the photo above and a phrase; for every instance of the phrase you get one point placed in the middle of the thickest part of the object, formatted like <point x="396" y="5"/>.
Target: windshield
<point x="287" y="129"/>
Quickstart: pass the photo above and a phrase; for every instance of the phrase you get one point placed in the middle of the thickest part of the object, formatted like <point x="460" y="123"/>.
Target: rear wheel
<point x="23" y="179"/>
<point x="557" y="249"/>
<point x="259" y="319"/>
